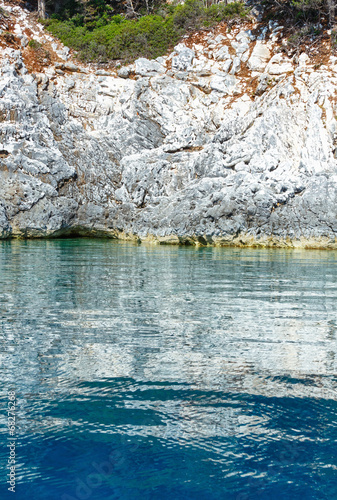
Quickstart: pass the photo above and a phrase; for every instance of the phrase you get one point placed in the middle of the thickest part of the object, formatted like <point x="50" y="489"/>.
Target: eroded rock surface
<point x="182" y="149"/>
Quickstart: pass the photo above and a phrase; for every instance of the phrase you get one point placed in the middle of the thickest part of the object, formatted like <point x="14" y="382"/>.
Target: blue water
<point x="153" y="372"/>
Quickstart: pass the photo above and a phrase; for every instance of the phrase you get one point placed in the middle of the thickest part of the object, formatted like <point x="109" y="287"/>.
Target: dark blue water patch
<point x="149" y="467"/>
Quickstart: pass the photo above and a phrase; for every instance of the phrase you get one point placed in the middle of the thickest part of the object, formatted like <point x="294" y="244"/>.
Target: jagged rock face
<point x="185" y="154"/>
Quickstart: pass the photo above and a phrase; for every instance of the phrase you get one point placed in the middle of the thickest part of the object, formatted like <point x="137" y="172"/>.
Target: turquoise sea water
<point x="153" y="372"/>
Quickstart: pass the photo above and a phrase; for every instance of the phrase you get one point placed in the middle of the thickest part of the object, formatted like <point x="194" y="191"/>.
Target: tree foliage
<point x="103" y="30"/>
<point x="106" y="36"/>
<point x="314" y="9"/>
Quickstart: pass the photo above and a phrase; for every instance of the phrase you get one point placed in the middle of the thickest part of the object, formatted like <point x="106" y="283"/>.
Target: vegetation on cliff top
<point x="106" y="37"/>
<point x="105" y="30"/>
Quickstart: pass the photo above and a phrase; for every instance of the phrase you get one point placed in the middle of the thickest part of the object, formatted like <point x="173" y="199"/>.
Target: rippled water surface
<point x="152" y="372"/>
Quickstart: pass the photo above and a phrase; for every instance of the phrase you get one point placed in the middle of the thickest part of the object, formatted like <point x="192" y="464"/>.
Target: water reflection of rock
<point x="221" y="323"/>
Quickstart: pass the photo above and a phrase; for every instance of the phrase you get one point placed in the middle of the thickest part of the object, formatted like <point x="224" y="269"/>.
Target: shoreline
<point x="240" y="241"/>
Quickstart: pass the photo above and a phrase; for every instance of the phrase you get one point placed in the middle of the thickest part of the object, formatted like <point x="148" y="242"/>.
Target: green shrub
<point x="307" y="10"/>
<point x="222" y="12"/>
<point x="150" y="36"/>
<point x="189" y="16"/>
<point x="34" y="44"/>
<point x="301" y="35"/>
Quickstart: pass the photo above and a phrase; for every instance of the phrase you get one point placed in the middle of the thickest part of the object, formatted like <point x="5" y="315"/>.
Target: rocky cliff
<point x="225" y="141"/>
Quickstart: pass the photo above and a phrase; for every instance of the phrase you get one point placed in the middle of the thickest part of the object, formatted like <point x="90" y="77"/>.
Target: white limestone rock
<point x="184" y="58"/>
<point x="126" y="71"/>
<point x="188" y="155"/>
<point x="259" y="57"/>
<point x="225" y="84"/>
<point x="222" y="54"/>
<point x="279" y="64"/>
<point x="144" y="67"/>
<point x="236" y="65"/>
<point x="303" y="60"/>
